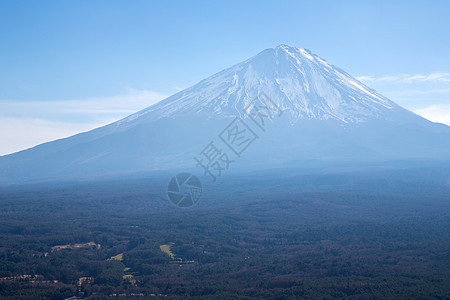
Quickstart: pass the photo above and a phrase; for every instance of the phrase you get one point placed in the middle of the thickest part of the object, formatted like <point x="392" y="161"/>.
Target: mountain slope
<point x="322" y="114"/>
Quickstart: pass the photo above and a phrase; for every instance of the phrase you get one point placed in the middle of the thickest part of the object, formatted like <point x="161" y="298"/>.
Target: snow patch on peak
<point x="306" y="54"/>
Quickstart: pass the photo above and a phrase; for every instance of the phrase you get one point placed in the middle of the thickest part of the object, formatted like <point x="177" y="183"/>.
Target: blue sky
<point x="70" y="66"/>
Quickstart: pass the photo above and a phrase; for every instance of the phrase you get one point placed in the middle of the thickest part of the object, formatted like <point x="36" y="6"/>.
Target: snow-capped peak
<point x="298" y="81"/>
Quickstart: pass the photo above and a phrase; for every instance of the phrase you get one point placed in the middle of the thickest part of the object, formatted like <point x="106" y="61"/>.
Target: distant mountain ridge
<point x="327" y="116"/>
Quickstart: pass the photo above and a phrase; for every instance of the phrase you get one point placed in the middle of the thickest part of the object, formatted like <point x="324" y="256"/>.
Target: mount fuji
<point x="319" y="114"/>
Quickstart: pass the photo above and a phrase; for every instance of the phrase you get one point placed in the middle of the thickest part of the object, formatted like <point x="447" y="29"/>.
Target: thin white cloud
<point x="19" y="134"/>
<point x="417" y="92"/>
<point x="436" y="113"/>
<point x="414" y="91"/>
<point x="25" y="124"/>
<point x="408" y="78"/>
<point x="428" y="95"/>
<point x="122" y="104"/>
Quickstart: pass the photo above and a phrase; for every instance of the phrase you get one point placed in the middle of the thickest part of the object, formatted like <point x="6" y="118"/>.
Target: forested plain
<point x="354" y="235"/>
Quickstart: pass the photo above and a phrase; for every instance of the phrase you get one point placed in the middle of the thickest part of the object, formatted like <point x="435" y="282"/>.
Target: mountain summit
<point x="298" y="81"/>
<point x="326" y="116"/>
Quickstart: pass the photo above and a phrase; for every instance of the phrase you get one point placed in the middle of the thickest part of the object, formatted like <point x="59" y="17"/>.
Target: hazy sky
<point x="69" y="66"/>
